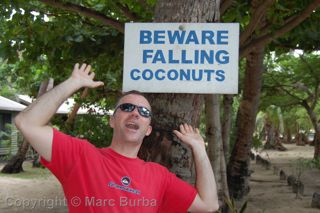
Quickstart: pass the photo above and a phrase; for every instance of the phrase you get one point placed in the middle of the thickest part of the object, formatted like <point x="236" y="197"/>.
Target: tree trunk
<point x="317" y="144"/>
<point x="270" y="133"/>
<point x="225" y="134"/>
<point x="186" y="11"/>
<point x="170" y="110"/>
<point x="273" y="139"/>
<point x="316" y="126"/>
<point x="215" y="145"/>
<point x="69" y="124"/>
<point x="226" y="124"/>
<point x="288" y="136"/>
<point x="239" y="164"/>
<point x="14" y="165"/>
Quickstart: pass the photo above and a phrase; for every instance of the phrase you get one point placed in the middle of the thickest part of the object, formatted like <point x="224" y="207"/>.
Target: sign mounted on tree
<point x="181" y="57"/>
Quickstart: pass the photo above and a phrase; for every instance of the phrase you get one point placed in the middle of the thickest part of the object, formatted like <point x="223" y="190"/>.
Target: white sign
<point x="181" y="57"/>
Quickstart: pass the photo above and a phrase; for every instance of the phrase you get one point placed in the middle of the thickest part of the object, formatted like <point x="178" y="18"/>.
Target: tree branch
<point x="302" y="87"/>
<point x="315" y="97"/>
<point x="127" y="13"/>
<point x="225" y="4"/>
<point x="292" y="95"/>
<point x="255" y="20"/>
<point x="282" y="87"/>
<point x="264" y="39"/>
<point x="144" y="4"/>
<point x="289" y="104"/>
<point x="72" y="115"/>
<point x="264" y="30"/>
<point x="111" y="92"/>
<point x="86" y="12"/>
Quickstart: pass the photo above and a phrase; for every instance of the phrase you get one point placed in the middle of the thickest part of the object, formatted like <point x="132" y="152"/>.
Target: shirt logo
<point x="125" y="181"/>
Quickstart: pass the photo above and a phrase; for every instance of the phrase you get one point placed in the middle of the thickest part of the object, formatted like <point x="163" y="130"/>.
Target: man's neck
<point x="126" y="149"/>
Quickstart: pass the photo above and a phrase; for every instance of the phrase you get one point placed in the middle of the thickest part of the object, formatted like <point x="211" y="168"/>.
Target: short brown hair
<point x="131" y="92"/>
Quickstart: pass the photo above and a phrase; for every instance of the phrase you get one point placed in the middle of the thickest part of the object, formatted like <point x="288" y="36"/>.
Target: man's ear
<point x="149" y="130"/>
<point x="111" y="121"/>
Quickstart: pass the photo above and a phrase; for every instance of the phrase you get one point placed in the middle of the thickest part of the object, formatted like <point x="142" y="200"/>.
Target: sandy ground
<point x="268" y="193"/>
<point x="43" y="195"/>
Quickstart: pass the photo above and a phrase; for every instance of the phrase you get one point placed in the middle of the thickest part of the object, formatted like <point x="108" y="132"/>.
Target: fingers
<point x="186" y="128"/>
<point x="91" y="75"/>
<point x="178" y="134"/>
<point x="189" y="135"/>
<point x="98" y="84"/>
<point x="76" y="66"/>
<point x="85" y="76"/>
<point x="87" y="68"/>
<point x="182" y="129"/>
<point x="83" y="68"/>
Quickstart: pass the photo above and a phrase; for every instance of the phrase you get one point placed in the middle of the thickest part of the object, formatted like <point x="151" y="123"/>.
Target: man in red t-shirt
<point x="114" y="179"/>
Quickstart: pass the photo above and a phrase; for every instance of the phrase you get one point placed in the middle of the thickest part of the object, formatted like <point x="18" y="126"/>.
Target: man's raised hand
<point x="190" y="136"/>
<point x="83" y="76"/>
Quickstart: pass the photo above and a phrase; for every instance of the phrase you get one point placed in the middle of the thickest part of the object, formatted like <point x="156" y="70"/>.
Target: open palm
<point x="84" y="77"/>
<point x="189" y="135"/>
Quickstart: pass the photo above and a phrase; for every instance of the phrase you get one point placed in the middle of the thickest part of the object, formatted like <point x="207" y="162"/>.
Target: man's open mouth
<point x="132" y="126"/>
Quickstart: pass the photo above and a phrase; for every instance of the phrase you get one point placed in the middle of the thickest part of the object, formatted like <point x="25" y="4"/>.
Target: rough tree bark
<point x="226" y="124"/>
<point x="14" y="165"/>
<point x="215" y="145"/>
<point x="239" y="164"/>
<point x="170" y="110"/>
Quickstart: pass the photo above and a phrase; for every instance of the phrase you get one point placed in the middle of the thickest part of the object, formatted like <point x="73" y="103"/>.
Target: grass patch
<point x="29" y="172"/>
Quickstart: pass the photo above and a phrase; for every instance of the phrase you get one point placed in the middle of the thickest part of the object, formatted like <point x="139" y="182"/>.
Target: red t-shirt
<point x="101" y="180"/>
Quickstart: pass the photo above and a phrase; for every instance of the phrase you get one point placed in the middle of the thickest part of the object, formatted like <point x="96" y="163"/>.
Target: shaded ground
<point x="39" y="191"/>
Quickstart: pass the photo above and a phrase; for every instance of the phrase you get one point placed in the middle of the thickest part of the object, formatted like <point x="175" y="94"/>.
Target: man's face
<point x="131" y="126"/>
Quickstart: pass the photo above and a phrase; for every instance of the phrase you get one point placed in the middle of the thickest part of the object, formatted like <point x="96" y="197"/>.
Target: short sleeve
<point x="66" y="151"/>
<point x="178" y="195"/>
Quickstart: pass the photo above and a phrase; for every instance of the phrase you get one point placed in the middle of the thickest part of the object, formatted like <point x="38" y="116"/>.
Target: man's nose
<point x="135" y="112"/>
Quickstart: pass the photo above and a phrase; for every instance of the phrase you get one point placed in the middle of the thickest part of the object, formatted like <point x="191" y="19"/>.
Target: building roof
<point x="66" y="107"/>
<point x="9" y="105"/>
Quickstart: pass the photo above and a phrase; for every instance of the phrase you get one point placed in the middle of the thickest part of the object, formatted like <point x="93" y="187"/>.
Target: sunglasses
<point x="127" y="107"/>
